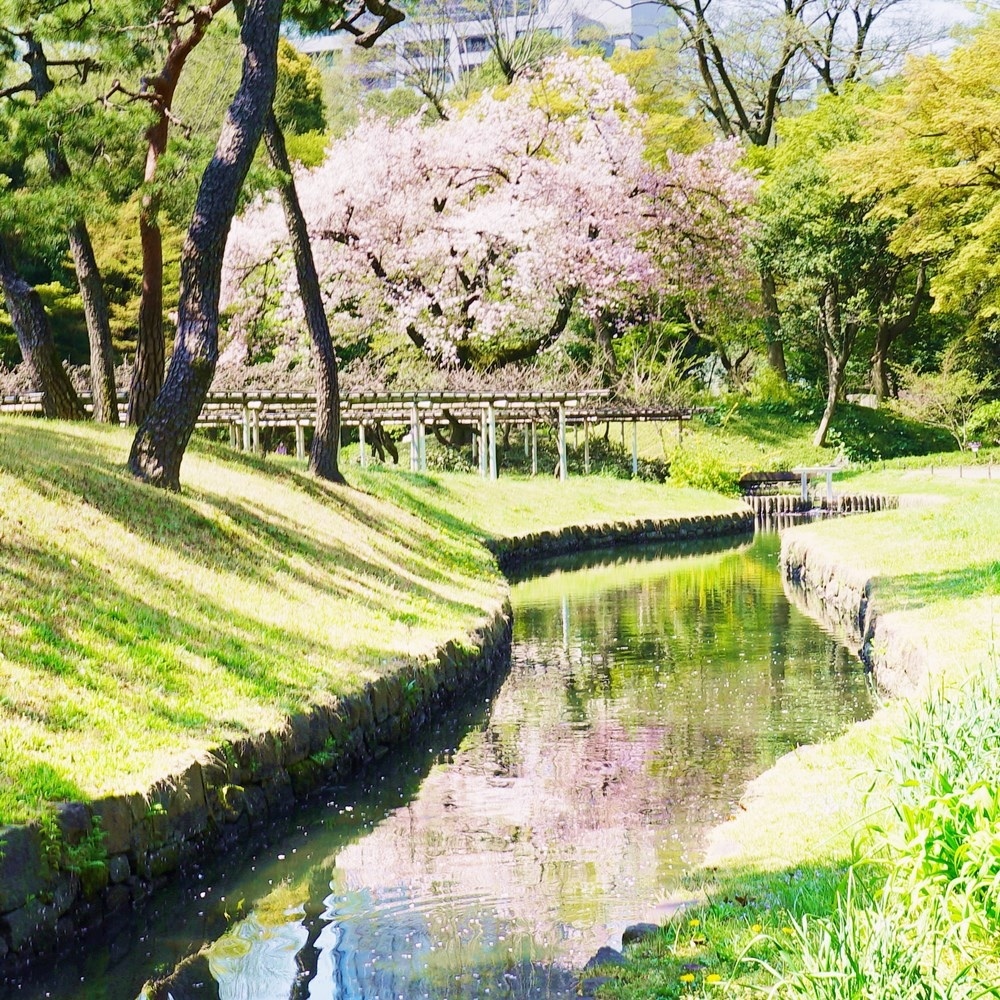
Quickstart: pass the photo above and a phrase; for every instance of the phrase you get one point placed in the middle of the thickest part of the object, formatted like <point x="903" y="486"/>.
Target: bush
<point x="984" y="424"/>
<point x="704" y="471"/>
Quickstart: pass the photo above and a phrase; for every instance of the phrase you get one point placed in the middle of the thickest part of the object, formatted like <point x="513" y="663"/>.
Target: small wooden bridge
<point x="245" y="413"/>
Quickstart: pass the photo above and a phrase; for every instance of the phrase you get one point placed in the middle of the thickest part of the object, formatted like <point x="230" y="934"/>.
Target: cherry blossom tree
<point x="477" y="236"/>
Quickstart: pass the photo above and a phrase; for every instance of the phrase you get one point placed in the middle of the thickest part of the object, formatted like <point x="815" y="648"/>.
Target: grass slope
<point x="137" y="626"/>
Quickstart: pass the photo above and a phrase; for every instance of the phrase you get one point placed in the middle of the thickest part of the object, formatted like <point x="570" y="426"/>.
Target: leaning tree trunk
<point x="835" y="377"/>
<point x="34" y="337"/>
<point x="95" y="309"/>
<point x="162" y="439"/>
<point x="150" y="351"/>
<point x="324" y="451"/>
<point x="159" y="91"/>
<point x="88" y="275"/>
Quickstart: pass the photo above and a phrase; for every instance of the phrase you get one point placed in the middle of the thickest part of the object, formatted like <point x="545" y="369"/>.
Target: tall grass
<point x="929" y="930"/>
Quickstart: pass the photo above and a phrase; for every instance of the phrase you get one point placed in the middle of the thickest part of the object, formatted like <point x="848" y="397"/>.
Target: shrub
<point x="704" y="471"/>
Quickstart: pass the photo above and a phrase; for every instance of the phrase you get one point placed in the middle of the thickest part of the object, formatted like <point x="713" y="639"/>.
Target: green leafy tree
<point x="298" y="102"/>
<point x="835" y="275"/>
<point x="51" y="113"/>
<point x="933" y="164"/>
<point x="750" y="63"/>
<point x="948" y="398"/>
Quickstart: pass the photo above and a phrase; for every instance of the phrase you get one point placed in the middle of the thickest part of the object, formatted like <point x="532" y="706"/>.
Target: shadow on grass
<point x="249" y="539"/>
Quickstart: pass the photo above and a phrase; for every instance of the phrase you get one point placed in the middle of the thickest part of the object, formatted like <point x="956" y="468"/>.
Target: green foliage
<point x="932" y="161"/>
<point x="866" y="435"/>
<point x="298" y="100"/>
<point x="946" y="399"/>
<point x="694" y="467"/>
<point x="946" y="843"/>
<point x="398" y="104"/>
<point x="769" y="392"/>
<point x="671" y="122"/>
<point x="984" y="423"/>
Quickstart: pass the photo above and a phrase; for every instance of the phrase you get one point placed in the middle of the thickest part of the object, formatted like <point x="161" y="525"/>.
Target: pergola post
<point x="300" y="442"/>
<point x="527" y="442"/>
<point x="586" y="446"/>
<point x="635" y="447"/>
<point x="534" y="448"/>
<point x="234" y="435"/>
<point x="484" y="436"/>
<point x="422" y="445"/>
<point x="562" y="442"/>
<point x="255" y="416"/>
<point x="492" y="427"/>
<point x="246" y="428"/>
<point x="362" y="446"/>
<point x="414" y="435"/>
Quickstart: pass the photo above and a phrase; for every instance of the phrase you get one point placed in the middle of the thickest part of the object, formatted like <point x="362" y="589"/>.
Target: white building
<point x="451" y="37"/>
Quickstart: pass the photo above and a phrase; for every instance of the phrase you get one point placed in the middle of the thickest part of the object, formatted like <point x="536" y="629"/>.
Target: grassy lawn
<point x="138" y="626"/>
<point x="773" y="872"/>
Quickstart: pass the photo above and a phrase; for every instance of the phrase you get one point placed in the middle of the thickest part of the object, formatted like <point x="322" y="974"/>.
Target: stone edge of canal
<point x="225" y="794"/>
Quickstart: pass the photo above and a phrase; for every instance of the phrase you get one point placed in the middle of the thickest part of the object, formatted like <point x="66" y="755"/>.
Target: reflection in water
<point x="644" y="692"/>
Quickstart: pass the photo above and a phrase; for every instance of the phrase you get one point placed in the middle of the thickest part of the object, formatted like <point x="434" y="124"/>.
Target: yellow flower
<point x="694" y="923"/>
<point x="713" y="977"/>
<point x="756" y="928"/>
<point x="688" y="977"/>
<point x="787" y="930"/>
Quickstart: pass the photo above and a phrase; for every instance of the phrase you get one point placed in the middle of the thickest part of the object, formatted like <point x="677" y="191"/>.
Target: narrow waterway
<point x="492" y="859"/>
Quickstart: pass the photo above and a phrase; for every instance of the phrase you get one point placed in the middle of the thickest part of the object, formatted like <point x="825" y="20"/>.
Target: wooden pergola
<point x="245" y="413"/>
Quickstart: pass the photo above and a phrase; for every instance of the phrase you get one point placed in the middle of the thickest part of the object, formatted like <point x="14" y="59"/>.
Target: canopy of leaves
<point x="933" y="161"/>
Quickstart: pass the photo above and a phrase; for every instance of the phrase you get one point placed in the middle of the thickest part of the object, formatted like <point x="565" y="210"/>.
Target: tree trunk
<point x="889" y="331"/>
<point x="88" y="275"/>
<point x="835" y="376"/>
<point x="161" y="441"/>
<point x="605" y="351"/>
<point x="95" y="308"/>
<point x="880" y="363"/>
<point x="34" y="337"/>
<point x="325" y="448"/>
<point x="150" y="350"/>
<point x="838" y="343"/>
<point x="772" y="326"/>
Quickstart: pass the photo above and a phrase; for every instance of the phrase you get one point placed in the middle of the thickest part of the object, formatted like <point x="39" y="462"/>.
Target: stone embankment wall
<point x="845" y="597"/>
<point x="52" y="887"/>
<point x="61" y="879"/>
<point x="512" y="553"/>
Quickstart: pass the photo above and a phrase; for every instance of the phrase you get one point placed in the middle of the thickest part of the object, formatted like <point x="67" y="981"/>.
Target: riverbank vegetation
<point x="866" y="866"/>
<point x="137" y="627"/>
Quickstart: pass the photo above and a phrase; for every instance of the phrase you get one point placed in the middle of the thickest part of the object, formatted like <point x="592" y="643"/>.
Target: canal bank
<point x="777" y="875"/>
<point x="646" y="688"/>
<point x="91" y="858"/>
<point x="226" y="793"/>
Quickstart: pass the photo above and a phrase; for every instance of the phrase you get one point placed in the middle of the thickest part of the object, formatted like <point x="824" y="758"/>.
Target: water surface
<point x="500" y="852"/>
